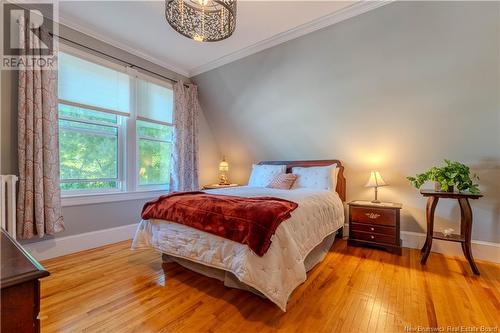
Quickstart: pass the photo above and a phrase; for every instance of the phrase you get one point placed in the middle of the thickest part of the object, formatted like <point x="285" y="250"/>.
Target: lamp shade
<point x="202" y="20"/>
<point x="375" y="180"/>
<point x="223" y="166"/>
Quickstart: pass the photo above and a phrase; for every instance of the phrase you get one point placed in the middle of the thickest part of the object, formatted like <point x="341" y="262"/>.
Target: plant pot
<point x="437" y="188"/>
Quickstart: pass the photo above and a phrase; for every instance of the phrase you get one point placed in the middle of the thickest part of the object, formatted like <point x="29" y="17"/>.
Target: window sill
<point x="98" y="198"/>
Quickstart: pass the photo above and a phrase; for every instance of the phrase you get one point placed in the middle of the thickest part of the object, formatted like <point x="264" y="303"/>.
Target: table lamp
<point x="375" y="181"/>
<point x="223" y="169"/>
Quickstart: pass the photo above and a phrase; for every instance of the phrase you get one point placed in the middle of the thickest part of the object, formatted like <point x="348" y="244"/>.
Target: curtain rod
<point x="115" y="58"/>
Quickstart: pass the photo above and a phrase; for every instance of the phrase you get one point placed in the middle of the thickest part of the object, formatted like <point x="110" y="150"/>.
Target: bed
<point x="298" y="244"/>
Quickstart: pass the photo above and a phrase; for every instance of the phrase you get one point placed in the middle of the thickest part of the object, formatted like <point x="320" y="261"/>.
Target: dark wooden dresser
<point x="20" y="288"/>
<point x="375" y="224"/>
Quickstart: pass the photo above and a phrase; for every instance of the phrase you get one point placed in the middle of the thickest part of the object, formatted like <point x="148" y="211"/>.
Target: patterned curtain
<point x="39" y="198"/>
<point x="184" y="175"/>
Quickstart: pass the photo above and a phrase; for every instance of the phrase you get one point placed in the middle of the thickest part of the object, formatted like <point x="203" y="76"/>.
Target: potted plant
<point x="447" y="177"/>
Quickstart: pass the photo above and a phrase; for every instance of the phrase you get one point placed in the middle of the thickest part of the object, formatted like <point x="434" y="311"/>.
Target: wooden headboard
<point x="341" y="183"/>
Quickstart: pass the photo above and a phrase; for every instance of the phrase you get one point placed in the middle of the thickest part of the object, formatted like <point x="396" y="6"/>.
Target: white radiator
<point x="8" y="203"/>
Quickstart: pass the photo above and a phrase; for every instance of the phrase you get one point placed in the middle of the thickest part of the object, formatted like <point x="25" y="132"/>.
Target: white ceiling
<point x="140" y="27"/>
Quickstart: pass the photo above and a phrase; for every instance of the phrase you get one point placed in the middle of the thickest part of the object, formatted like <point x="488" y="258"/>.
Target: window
<point x="115" y="127"/>
<point x="154" y="132"/>
<point x="88" y="149"/>
<point x="154" y="142"/>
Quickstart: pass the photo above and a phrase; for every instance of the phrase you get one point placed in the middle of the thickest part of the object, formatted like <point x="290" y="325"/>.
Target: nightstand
<point x="375" y="224"/>
<point x="216" y="186"/>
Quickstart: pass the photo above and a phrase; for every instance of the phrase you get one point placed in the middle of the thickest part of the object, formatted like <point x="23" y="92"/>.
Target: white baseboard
<point x="480" y="250"/>
<point x="60" y="246"/>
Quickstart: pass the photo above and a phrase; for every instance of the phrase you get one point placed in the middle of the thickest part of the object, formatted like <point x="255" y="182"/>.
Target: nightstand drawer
<point x="373" y="215"/>
<point x="374" y="228"/>
<point x="372" y="237"/>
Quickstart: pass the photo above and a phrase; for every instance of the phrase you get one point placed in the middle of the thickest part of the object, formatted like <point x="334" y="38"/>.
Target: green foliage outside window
<point x="155" y="150"/>
<point x="85" y="114"/>
<point x="154" y="131"/>
<point x="89" y="151"/>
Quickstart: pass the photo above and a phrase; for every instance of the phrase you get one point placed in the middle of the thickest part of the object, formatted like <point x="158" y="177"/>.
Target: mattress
<point x="276" y="274"/>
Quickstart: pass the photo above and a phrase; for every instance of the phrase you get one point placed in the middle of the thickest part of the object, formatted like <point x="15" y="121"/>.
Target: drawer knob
<point x="372" y="237"/>
<point x="372" y="216"/>
<point x="372" y="229"/>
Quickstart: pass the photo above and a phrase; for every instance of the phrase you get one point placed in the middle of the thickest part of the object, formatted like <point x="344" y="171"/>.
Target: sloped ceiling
<point x="140" y="27"/>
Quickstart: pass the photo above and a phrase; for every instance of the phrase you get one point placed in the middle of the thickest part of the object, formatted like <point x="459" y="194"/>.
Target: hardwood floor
<point x="114" y="289"/>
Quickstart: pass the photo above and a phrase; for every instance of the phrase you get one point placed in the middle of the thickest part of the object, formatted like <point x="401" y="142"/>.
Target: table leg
<point x="422" y="250"/>
<point x="431" y="208"/>
<point x="466" y="232"/>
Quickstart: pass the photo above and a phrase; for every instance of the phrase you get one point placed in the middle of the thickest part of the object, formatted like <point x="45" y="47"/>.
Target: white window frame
<point x="120" y="155"/>
<point x="138" y="138"/>
<point x="167" y="85"/>
<point x="128" y="150"/>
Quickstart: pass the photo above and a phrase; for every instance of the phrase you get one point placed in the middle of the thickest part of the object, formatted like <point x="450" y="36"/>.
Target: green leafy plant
<point x="451" y="174"/>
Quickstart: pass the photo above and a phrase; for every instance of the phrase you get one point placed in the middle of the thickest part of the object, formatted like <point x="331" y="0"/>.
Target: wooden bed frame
<point x="341" y="182"/>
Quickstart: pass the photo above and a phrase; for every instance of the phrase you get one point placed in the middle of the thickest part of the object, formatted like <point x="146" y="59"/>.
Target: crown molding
<point x="91" y="33"/>
<point x="301" y="30"/>
<point x="353" y="10"/>
<point x="123" y="47"/>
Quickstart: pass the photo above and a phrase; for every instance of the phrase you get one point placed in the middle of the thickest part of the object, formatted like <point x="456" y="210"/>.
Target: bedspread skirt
<point x="274" y="275"/>
<point x="230" y="280"/>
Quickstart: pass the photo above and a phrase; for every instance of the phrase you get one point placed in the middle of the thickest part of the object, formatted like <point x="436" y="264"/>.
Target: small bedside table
<point x="465" y="224"/>
<point x="375" y="224"/>
<point x="216" y="186"/>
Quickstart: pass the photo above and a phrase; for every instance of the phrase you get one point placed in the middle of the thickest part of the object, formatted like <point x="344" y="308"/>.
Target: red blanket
<point x="250" y="221"/>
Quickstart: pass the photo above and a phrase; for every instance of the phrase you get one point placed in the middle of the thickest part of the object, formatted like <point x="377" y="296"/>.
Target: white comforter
<point x="277" y="273"/>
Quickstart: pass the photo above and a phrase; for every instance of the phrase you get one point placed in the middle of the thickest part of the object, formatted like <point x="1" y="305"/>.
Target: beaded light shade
<point x="202" y="20"/>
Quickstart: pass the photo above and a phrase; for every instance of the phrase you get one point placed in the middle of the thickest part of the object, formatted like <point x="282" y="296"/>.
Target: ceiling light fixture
<point x="202" y="20"/>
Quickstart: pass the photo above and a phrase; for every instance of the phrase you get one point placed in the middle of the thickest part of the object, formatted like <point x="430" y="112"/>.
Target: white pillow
<point x="262" y="175"/>
<point x="322" y="178"/>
